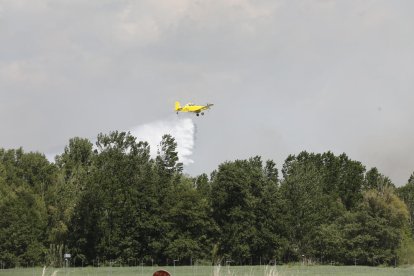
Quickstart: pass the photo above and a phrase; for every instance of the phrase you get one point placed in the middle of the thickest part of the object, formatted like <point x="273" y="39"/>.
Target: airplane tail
<point x="177" y="106"/>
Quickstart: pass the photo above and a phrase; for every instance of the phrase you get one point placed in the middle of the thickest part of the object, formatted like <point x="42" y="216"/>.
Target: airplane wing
<point x="207" y="106"/>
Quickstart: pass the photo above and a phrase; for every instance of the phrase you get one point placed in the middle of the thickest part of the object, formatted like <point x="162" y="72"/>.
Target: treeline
<point x="114" y="202"/>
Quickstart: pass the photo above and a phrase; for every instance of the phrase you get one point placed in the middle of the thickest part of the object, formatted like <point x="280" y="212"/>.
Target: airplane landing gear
<point x="202" y="113"/>
<point x="198" y="114"/>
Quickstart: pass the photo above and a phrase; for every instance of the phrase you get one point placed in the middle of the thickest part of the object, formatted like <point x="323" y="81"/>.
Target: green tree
<point x="406" y="193"/>
<point x="119" y="212"/>
<point x="301" y="190"/>
<point x="238" y="190"/>
<point x="377" y="181"/>
<point x="65" y="195"/>
<point x="317" y="189"/>
<point x="374" y="232"/>
<point x="167" y="158"/>
<point x="22" y="227"/>
<point x="203" y="185"/>
<point x="23" y="219"/>
<point x="191" y="226"/>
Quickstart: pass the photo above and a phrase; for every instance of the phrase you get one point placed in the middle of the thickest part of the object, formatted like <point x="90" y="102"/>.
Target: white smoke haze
<point x="182" y="129"/>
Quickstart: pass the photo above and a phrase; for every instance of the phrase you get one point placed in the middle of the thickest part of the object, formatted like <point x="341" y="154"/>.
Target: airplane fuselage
<point x="197" y="109"/>
<point x="192" y="108"/>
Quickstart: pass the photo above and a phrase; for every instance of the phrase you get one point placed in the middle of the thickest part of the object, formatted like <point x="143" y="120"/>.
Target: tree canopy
<point x="112" y="201"/>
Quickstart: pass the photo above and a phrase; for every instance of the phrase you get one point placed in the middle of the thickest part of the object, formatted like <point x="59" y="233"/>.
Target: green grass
<point x="213" y="271"/>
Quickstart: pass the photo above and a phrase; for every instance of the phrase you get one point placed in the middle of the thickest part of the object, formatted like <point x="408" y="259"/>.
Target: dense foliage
<point x="114" y="202"/>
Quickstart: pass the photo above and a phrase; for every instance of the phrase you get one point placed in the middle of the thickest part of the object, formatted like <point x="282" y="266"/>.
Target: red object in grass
<point x="161" y="273"/>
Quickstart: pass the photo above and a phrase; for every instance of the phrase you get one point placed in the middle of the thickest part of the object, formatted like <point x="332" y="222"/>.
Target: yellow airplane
<point x="190" y="107"/>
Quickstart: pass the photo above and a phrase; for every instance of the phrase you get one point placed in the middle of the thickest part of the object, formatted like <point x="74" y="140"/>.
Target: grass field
<point x="212" y="271"/>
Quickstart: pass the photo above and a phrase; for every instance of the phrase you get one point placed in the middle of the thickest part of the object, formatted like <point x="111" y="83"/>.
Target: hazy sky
<point x="284" y="75"/>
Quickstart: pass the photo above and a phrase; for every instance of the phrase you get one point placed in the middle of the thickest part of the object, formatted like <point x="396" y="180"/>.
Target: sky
<point x="285" y="76"/>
